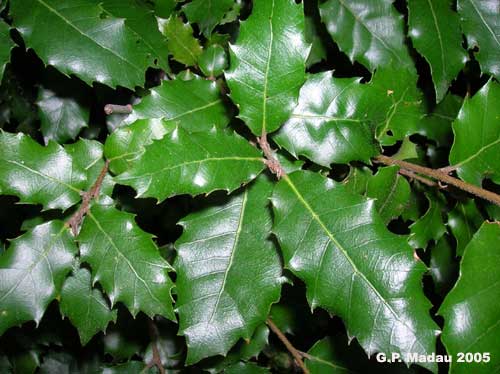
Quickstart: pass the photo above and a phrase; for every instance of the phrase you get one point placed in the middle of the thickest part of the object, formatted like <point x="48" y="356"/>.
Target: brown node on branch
<point x="156" y="360"/>
<point x="76" y="219"/>
<point x="271" y="161"/>
<point x="118" y="109"/>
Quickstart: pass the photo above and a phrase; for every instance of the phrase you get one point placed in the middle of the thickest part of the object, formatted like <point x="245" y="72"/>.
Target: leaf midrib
<point x="266" y="73"/>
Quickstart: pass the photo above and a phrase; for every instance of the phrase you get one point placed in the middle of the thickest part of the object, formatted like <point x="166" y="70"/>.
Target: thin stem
<point x="156" y="360"/>
<point x="412" y="175"/>
<point x="119" y="109"/>
<point x="271" y="161"/>
<point x="76" y="219"/>
<point x="442" y="177"/>
<point x="294" y="352"/>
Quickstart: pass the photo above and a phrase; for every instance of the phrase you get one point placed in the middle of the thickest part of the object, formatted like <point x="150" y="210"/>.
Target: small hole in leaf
<point x="155" y="61"/>
<point x="389" y="132"/>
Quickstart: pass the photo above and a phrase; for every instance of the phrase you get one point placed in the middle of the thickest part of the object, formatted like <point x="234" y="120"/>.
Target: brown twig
<point x="118" y="109"/>
<point x="412" y="175"/>
<point x="294" y="352"/>
<point x="442" y="177"/>
<point x="76" y="219"/>
<point x="156" y="360"/>
<point x="271" y="161"/>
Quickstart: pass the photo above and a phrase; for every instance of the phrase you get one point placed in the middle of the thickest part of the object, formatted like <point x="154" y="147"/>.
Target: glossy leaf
<point x="62" y="118"/>
<point x="429" y="227"/>
<point x="196" y="105"/>
<point x="268" y="66"/>
<point x="318" y="50"/>
<point x="32" y="272"/>
<point x="477" y="136"/>
<point x="85" y="306"/>
<point x="37" y="174"/>
<point x="141" y="22"/>
<point x="182" y="45"/>
<point x="326" y="125"/>
<point x="127" y="143"/>
<point x="213" y="61"/>
<point x="207" y="14"/>
<point x="246" y="368"/>
<point x="229" y="272"/>
<point x="92" y="46"/>
<point x="435" y="30"/>
<point x="357" y="180"/>
<point x="6" y="44"/>
<point x="463" y="221"/>
<point x="471" y="318"/>
<point x="391" y="192"/>
<point x="126" y="262"/>
<point x="183" y="163"/>
<point x="368" y="32"/>
<point x="481" y="25"/>
<point x="337" y="244"/>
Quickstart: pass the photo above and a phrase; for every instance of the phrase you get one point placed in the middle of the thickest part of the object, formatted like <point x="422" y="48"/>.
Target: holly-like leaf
<point x="246" y="368"/>
<point x="318" y="50"/>
<point x="481" y="25"/>
<point x="196" y="105"/>
<point x="369" y="32"/>
<point x="182" y="45"/>
<point x="184" y="163"/>
<point x="429" y="227"/>
<point x="435" y="31"/>
<point x="6" y="45"/>
<point x="124" y="145"/>
<point x="337" y="244"/>
<point x="32" y="272"/>
<point x="85" y="306"/>
<point x="39" y="175"/>
<point x="357" y="180"/>
<point x="207" y="14"/>
<point x="477" y="136"/>
<point x="463" y="222"/>
<point x="391" y="192"/>
<point x="229" y="272"/>
<point x="268" y="66"/>
<point x="126" y="262"/>
<point x="471" y="315"/>
<point x="393" y="103"/>
<point x="62" y="118"/>
<point x="141" y="22"/>
<point x="88" y="43"/>
<point x="213" y="61"/>
<point x="326" y="125"/>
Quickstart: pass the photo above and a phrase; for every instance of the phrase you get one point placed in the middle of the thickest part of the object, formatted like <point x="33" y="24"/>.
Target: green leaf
<point x="207" y="14"/>
<point x="164" y="8"/>
<point x="471" y="315"/>
<point x="337" y="244"/>
<point x="246" y="368"/>
<point x="477" y="136"/>
<point x="183" y="163"/>
<point x="329" y="356"/>
<point x="370" y="32"/>
<point x="141" y="22"/>
<point x="6" y="44"/>
<point x="182" y="45"/>
<point x="463" y="221"/>
<point x="127" y="143"/>
<point x="436" y="126"/>
<point x="443" y="266"/>
<point x="429" y="227"/>
<point x="481" y="25"/>
<point x="391" y="192"/>
<point x="126" y="262"/>
<point x="435" y="30"/>
<point x="87" y="43"/>
<point x="62" y="117"/>
<point x="357" y="180"/>
<point x="326" y="125"/>
<point x="85" y="306"/>
<point x="213" y="61"/>
<point x="229" y="272"/>
<point x="196" y="105"/>
<point x="25" y="362"/>
<point x="393" y="103"/>
<point x="407" y="150"/>
<point x="37" y="174"/>
<point x="127" y="368"/>
<point x="318" y="50"/>
<point x="268" y="66"/>
<point x="32" y="272"/>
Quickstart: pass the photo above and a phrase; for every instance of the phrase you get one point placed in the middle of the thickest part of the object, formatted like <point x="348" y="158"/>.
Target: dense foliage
<point x="249" y="186"/>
